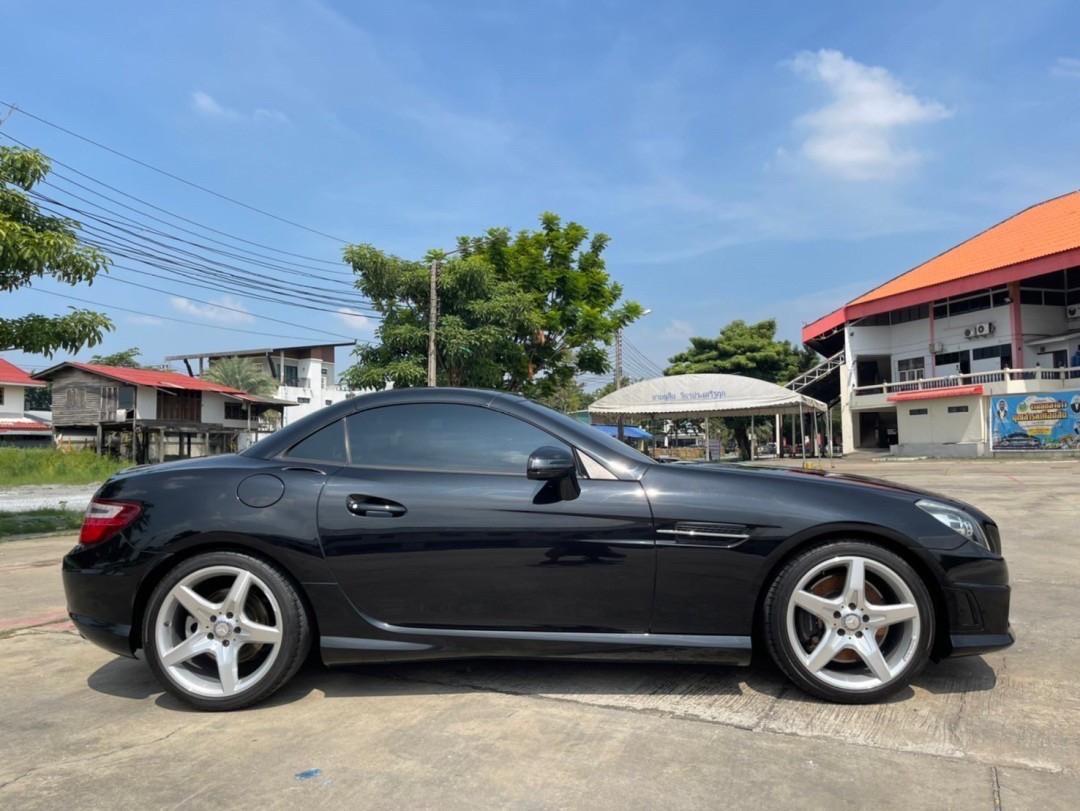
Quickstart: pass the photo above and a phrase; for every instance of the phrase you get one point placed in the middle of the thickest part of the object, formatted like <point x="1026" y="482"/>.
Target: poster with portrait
<point x="1048" y="421"/>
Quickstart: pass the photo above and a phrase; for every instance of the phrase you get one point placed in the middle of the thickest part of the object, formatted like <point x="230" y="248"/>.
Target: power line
<point x="177" y="178"/>
<point x="225" y="307"/>
<point x="166" y="317"/>
<point x="175" y="260"/>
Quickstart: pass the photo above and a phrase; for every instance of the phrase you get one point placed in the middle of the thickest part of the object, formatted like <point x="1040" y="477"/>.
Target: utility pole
<point x="433" y="316"/>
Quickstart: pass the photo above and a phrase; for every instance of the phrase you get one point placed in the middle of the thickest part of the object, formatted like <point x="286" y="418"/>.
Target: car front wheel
<point x="849" y="621"/>
<point x="224" y="630"/>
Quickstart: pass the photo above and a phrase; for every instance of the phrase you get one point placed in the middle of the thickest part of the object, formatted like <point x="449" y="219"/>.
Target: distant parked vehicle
<point x="1018" y="439"/>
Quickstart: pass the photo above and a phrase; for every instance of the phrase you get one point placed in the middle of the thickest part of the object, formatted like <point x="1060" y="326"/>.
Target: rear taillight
<point x="104" y="519"/>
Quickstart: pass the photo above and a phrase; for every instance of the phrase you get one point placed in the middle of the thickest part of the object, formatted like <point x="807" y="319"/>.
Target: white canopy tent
<point x="704" y="396"/>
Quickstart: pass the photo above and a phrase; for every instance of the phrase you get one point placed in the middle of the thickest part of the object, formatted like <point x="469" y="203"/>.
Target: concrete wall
<point x="938" y="425"/>
<point x="912" y="339"/>
<point x="213" y="408"/>
<point x="145" y="403"/>
<point x="14" y="400"/>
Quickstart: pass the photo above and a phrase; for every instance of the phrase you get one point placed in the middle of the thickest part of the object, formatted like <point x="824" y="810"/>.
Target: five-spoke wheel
<point x="849" y="621"/>
<point x="224" y="630"/>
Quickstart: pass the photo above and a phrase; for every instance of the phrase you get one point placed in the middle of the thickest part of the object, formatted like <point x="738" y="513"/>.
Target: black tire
<point x="251" y="652"/>
<point x="825" y="646"/>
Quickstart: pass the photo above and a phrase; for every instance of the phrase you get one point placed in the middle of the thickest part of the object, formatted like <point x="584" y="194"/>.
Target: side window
<point x="325" y="445"/>
<point x="435" y="436"/>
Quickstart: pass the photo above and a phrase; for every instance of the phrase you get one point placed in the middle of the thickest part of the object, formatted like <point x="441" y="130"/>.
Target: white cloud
<point x="206" y="105"/>
<point x="226" y="310"/>
<point x="1066" y="66"/>
<point x="678" y="331"/>
<point x="354" y="320"/>
<point x="145" y="320"/>
<point x="856" y="134"/>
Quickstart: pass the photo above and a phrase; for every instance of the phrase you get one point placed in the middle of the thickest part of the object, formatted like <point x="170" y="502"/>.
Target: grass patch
<point x="37" y="521"/>
<point x="49" y="466"/>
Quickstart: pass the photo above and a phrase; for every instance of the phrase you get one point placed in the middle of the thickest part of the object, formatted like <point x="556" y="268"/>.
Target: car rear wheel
<point x="849" y="621"/>
<point x="224" y="630"/>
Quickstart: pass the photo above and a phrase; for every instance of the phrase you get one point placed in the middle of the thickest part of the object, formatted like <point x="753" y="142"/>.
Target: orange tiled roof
<point x="1042" y="230"/>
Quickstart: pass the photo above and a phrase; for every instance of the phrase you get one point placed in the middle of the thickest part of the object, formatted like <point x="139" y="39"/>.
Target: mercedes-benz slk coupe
<point x="439" y="523"/>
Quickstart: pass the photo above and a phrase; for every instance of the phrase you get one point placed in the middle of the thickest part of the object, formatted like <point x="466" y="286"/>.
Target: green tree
<point x="750" y="350"/>
<point x="39" y="398"/>
<point x="126" y="358"/>
<point x="242" y="374"/>
<point x="524" y="312"/>
<point x="34" y="245"/>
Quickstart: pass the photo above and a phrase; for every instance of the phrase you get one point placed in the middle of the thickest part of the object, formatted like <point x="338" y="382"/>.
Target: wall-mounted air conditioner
<point x="935" y="347"/>
<point x="1072" y="312"/>
<point x="980" y="330"/>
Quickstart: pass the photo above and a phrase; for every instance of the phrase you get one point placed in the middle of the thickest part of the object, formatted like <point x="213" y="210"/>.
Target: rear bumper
<point x="101" y="584"/>
<point x="111" y="636"/>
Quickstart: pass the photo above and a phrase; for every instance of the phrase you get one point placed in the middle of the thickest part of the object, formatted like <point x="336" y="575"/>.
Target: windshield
<point x="573" y="426"/>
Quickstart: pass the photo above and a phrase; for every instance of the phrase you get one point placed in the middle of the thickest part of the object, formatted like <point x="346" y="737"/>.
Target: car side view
<point x="441" y="523"/>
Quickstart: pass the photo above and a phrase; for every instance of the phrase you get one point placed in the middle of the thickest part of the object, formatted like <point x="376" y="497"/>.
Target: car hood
<point x="810" y="480"/>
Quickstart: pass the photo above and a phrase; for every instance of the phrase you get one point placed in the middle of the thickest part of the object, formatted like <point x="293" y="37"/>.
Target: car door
<point x="434" y="524"/>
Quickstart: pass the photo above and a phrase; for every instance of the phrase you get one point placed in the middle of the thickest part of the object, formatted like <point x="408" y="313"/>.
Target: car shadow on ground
<point x="658" y="685"/>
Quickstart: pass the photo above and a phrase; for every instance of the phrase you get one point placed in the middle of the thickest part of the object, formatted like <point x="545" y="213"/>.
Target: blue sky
<point x="747" y="160"/>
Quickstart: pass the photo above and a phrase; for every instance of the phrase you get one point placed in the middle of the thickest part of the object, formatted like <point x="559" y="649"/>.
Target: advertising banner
<point x="1035" y="422"/>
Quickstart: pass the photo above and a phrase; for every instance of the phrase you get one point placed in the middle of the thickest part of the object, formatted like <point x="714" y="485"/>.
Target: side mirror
<point x="551" y="462"/>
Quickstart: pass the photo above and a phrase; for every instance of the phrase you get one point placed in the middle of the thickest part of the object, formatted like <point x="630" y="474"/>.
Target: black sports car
<point x="435" y="523"/>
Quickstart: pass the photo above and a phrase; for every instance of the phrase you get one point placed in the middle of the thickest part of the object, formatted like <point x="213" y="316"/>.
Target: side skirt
<point x="439" y="643"/>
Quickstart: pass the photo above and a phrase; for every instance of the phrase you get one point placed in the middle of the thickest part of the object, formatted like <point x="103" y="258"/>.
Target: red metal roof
<point x="151" y="377"/>
<point x="1040" y="239"/>
<point x="23" y="425"/>
<point x="12" y="375"/>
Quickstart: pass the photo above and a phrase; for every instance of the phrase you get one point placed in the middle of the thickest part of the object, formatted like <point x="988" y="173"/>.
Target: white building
<point x="917" y="362"/>
<point x="306" y="375"/>
<point x="17" y="427"/>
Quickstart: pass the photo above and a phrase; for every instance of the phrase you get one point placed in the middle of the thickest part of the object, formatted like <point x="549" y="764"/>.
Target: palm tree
<point x="242" y="374"/>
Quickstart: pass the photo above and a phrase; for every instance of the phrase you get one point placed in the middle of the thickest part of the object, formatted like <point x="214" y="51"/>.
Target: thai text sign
<point x="1035" y="422"/>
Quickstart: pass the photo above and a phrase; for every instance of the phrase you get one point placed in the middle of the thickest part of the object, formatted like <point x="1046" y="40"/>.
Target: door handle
<point x="373" y="507"/>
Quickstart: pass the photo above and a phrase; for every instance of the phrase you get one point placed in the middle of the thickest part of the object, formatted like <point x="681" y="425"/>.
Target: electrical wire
<point x="168" y="174"/>
<point x="81" y="300"/>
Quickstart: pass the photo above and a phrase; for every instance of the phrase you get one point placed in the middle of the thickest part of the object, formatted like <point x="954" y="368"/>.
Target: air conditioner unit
<point x="982" y="329"/>
<point x="1072" y="311"/>
<point x="936" y="347"/>
<point x="969" y="332"/>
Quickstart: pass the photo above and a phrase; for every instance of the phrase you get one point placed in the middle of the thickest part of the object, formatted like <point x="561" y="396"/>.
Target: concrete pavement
<point x="84" y="728"/>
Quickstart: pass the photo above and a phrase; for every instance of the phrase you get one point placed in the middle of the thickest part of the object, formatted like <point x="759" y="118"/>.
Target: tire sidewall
<point x="293" y="628"/>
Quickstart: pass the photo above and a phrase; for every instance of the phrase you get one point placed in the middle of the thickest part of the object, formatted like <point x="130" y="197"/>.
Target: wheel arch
<point x="206" y="544"/>
<point x="895" y="542"/>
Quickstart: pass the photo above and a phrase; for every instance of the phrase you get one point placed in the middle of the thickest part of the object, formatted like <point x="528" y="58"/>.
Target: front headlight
<point x="955" y="519"/>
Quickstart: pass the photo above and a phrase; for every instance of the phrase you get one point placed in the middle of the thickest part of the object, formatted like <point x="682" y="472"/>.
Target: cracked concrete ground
<point x="82" y="728"/>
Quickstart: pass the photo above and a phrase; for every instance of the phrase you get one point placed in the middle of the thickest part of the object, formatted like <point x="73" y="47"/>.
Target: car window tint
<point x="436" y="436"/>
<point x="325" y="445"/>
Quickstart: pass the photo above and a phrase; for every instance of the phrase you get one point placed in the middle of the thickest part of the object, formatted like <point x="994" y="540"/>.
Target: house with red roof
<point x="16" y="426"/>
<point x="152" y="414"/>
<point x="921" y="363"/>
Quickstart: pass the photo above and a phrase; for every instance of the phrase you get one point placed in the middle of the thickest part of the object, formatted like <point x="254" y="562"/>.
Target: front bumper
<point x="979" y="614"/>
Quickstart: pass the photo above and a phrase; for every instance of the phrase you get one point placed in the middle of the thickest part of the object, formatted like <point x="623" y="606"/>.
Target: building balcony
<point x="1011" y="381"/>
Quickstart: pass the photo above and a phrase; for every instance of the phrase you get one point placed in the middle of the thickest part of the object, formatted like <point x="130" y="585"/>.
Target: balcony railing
<point x="1061" y="376"/>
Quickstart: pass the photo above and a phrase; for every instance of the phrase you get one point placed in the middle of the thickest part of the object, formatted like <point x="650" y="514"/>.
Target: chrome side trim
<point x="698" y="533"/>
